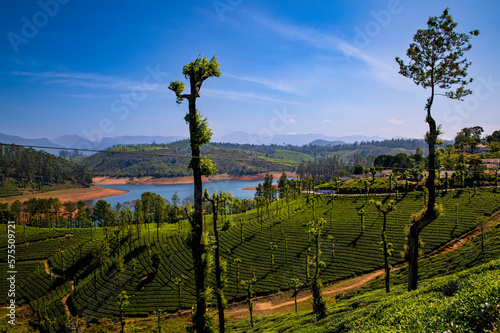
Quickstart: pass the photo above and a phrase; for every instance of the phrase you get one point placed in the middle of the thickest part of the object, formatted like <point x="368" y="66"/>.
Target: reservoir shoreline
<point x="103" y="181"/>
<point x="103" y="187"/>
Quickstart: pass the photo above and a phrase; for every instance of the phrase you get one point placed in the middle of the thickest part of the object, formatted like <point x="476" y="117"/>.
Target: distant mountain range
<point x="292" y="139"/>
<point x="4" y="138"/>
<point x="76" y="141"/>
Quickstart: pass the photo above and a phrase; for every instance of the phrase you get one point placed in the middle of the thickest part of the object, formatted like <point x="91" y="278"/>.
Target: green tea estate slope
<point x="155" y="272"/>
<point x="462" y="302"/>
<point x="156" y="283"/>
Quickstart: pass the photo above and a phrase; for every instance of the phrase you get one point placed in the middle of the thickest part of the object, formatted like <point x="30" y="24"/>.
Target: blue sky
<point x="101" y="68"/>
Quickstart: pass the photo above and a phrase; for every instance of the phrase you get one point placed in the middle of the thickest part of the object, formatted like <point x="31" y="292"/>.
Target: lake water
<point x="183" y="190"/>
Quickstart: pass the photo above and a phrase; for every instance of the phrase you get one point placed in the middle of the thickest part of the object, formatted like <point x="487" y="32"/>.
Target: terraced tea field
<point x="271" y="244"/>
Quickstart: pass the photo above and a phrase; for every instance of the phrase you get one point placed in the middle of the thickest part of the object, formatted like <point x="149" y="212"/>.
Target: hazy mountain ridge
<point x="78" y="142"/>
<point x="5" y="138"/>
<point x="289" y="139"/>
<point x="238" y="137"/>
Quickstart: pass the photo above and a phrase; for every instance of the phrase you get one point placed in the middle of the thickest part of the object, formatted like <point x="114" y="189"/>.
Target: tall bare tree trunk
<point x="197" y="247"/>
<point x="386" y="254"/>
<point x="218" y="270"/>
<point x="430" y="214"/>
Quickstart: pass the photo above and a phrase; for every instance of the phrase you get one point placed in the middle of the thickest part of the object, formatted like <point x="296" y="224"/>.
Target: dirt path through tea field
<point x="284" y="303"/>
<point x="269" y="304"/>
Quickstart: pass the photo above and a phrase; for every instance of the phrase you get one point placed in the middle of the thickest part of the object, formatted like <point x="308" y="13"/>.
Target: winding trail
<point x="267" y="305"/>
<point x="65" y="298"/>
<point x="49" y="271"/>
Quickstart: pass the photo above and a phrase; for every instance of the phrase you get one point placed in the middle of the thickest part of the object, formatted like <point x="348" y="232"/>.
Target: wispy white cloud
<point x="88" y="80"/>
<point x="326" y="121"/>
<point x="244" y="96"/>
<point x="318" y="39"/>
<point x="396" y="121"/>
<point x="378" y="69"/>
<point x="275" y="85"/>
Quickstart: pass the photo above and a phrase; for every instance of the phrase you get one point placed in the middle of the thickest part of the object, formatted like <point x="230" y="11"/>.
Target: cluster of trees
<point x="49" y="212"/>
<point x="324" y="168"/>
<point x="471" y="136"/>
<point x="400" y="161"/>
<point x="318" y="149"/>
<point x="494" y="137"/>
<point x="468" y="135"/>
<point x="27" y="165"/>
<point x="150" y="209"/>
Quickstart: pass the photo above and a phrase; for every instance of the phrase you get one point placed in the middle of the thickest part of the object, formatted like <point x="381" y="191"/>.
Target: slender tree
<point x="314" y="230"/>
<point x="197" y="72"/>
<point x="366" y="183"/>
<point x="391" y="178"/>
<point x="220" y="280"/>
<point x="268" y="190"/>
<point x="436" y="62"/>
<point x="237" y="261"/>
<point x="179" y="283"/>
<point x="272" y="248"/>
<point x="122" y="301"/>
<point x="160" y="317"/>
<point x="362" y="214"/>
<point x="296" y="285"/>
<point x="446" y="182"/>
<point x="159" y="207"/>
<point x="386" y="246"/>
<point x="496" y="177"/>
<point x="406" y="174"/>
<point x="332" y="245"/>
<point x="248" y="284"/>
<point x="331" y="209"/>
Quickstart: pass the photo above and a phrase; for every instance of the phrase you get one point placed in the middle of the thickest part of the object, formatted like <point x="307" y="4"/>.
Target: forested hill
<point x="27" y="165"/>
<point x="171" y="160"/>
<point x="322" y="147"/>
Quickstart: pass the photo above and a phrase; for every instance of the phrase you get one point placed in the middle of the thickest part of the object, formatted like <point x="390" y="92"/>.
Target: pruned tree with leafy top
<point x="315" y="227"/>
<point x="386" y="246"/>
<point x="196" y="72"/>
<point x="436" y="62"/>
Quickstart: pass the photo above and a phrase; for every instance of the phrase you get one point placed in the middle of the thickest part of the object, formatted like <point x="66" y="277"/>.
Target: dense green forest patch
<point x="28" y="170"/>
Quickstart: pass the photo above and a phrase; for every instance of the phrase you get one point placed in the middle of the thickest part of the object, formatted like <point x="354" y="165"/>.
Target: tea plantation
<point x="64" y="273"/>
